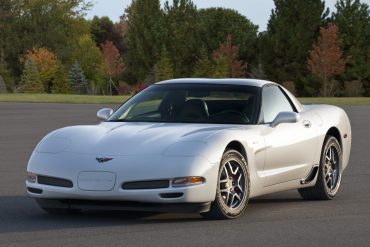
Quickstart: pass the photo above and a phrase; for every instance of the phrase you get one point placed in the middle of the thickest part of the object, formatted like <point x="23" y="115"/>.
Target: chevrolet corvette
<point x="193" y="145"/>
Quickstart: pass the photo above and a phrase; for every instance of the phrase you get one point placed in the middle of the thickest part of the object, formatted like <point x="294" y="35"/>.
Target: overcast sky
<point x="258" y="11"/>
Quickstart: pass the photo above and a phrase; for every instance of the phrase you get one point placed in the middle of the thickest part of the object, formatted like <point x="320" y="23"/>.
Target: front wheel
<point x="233" y="187"/>
<point x="329" y="177"/>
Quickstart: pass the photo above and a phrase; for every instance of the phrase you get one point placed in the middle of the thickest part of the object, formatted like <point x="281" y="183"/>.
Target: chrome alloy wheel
<point x="232" y="184"/>
<point x="332" y="169"/>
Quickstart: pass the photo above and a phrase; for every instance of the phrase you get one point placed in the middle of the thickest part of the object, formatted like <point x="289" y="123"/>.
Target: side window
<point x="273" y="102"/>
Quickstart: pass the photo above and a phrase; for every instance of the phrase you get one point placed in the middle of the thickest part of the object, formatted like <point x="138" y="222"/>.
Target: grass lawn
<point x="63" y="98"/>
<point x="359" y="101"/>
<point x="87" y="99"/>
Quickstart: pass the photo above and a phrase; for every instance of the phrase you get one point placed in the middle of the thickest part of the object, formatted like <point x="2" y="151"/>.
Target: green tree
<point x="164" y="68"/>
<point x="220" y="69"/>
<point x="102" y="29"/>
<point x="144" y="38"/>
<point x="31" y="81"/>
<point x="353" y="21"/>
<point x="218" y="23"/>
<point x="183" y="39"/>
<point x="60" y="81"/>
<point x="291" y="31"/>
<point x="203" y="67"/>
<point x="53" y="24"/>
<point x="91" y="61"/>
<point x="6" y="75"/>
<point x="77" y="79"/>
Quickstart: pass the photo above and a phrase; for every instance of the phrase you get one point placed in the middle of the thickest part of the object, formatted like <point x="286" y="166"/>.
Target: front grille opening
<point x="146" y="185"/>
<point x="59" y="182"/>
<point x="171" y="195"/>
<point x="34" y="190"/>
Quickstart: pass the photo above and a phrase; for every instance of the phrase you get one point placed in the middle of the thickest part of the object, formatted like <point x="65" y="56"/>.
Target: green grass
<point x="63" y="98"/>
<point x="87" y="99"/>
<point x="359" y="101"/>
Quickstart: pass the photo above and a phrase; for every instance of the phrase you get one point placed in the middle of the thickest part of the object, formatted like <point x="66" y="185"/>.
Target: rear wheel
<point x="232" y="193"/>
<point x="329" y="175"/>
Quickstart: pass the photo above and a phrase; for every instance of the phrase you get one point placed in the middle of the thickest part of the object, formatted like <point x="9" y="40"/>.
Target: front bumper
<point x="126" y="168"/>
<point x="69" y="204"/>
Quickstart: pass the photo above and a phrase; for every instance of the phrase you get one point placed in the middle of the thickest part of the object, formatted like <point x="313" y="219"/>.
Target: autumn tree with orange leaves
<point x="51" y="70"/>
<point x="326" y="58"/>
<point x="229" y="52"/>
<point x="112" y="62"/>
<point x="46" y="63"/>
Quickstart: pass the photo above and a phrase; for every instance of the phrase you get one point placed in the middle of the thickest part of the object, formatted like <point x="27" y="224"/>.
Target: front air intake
<point x="146" y="185"/>
<point x="59" y="182"/>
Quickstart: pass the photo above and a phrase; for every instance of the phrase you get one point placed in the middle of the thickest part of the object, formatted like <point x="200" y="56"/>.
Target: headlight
<point x="52" y="145"/>
<point x="186" y="181"/>
<point x="31" y="177"/>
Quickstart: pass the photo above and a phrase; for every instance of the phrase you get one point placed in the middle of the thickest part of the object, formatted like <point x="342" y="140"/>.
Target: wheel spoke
<point x="232" y="201"/>
<point x="328" y="180"/>
<point x="227" y="198"/>
<point x="236" y="170"/>
<point x="238" y="197"/>
<point x="224" y="191"/>
<point x="226" y="172"/>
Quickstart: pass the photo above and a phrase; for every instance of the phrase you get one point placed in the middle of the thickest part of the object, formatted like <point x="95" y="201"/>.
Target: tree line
<point x="48" y="46"/>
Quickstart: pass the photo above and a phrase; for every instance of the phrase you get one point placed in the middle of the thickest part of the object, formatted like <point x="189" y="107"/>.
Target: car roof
<point x="246" y="82"/>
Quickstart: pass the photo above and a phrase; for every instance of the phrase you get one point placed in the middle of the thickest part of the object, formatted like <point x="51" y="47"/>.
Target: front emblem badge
<point x="103" y="160"/>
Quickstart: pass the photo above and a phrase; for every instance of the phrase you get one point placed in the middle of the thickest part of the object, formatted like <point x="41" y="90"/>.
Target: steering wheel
<point x="243" y="117"/>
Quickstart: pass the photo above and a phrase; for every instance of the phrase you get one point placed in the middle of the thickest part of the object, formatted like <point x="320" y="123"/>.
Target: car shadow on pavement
<point x="22" y="214"/>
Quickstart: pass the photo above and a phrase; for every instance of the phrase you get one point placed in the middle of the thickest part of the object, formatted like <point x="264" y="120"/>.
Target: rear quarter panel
<point x="327" y="117"/>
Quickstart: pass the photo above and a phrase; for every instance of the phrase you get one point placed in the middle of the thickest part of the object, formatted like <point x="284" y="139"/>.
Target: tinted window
<point x="192" y="103"/>
<point x="273" y="102"/>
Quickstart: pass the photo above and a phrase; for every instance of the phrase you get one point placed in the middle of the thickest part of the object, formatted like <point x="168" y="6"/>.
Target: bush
<point x="290" y="86"/>
<point x="123" y="88"/>
<point x="139" y="87"/>
<point x="330" y="89"/>
<point x="353" y="88"/>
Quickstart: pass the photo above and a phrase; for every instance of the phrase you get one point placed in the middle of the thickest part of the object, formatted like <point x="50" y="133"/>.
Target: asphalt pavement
<point x="281" y="219"/>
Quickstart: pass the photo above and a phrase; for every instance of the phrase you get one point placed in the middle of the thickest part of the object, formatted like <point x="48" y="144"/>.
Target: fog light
<point x="31" y="177"/>
<point x="186" y="181"/>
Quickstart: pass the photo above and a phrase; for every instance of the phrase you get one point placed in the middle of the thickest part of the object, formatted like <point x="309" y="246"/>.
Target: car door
<point x="290" y="147"/>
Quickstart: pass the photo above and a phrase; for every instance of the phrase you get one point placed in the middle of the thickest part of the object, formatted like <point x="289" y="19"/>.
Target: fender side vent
<point x="59" y="182"/>
<point x="311" y="176"/>
<point x="146" y="185"/>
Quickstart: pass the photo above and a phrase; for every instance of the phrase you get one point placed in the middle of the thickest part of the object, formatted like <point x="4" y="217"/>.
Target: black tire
<point x="219" y="208"/>
<point x="321" y="190"/>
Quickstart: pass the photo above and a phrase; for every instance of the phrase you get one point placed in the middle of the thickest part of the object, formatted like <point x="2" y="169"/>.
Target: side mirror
<point x="285" y="117"/>
<point x="104" y="113"/>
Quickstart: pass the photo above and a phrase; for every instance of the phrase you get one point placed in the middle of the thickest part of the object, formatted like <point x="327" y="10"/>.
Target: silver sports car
<point x="193" y="145"/>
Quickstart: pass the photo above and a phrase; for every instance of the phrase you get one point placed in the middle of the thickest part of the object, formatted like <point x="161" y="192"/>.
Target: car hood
<point x="116" y="139"/>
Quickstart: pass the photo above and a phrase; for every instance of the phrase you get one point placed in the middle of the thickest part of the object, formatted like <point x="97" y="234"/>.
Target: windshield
<point x="192" y="103"/>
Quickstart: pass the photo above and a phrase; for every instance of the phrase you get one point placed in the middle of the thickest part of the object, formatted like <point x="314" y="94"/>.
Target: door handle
<point x="306" y="123"/>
